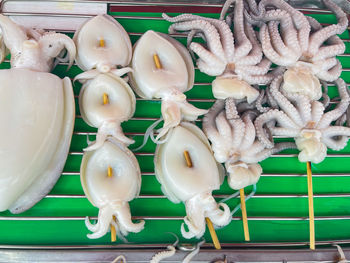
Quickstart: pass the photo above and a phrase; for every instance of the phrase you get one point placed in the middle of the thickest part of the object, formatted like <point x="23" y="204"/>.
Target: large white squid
<point x="37" y="112"/>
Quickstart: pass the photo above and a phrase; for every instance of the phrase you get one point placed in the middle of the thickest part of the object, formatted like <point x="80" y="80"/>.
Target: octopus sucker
<point x="180" y="181"/>
<point x="40" y="120"/>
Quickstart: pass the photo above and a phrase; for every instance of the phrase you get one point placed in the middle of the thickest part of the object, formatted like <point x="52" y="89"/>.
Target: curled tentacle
<point x="189" y="257"/>
<point x="103" y="223"/>
<point x="341" y="107"/>
<point x="336" y="137"/>
<point x="163" y="254"/>
<point x="109" y="128"/>
<point x="123" y="216"/>
<point x="282" y="119"/>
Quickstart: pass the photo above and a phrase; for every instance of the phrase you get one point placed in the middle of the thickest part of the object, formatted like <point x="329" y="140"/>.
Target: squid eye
<point x="50" y="45"/>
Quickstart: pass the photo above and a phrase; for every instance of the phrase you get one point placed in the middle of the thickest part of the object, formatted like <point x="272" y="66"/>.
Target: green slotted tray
<point x="278" y="212"/>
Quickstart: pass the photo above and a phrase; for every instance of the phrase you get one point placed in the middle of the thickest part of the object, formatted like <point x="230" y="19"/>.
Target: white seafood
<point x="169" y="82"/>
<point x="37" y="110"/>
<point x="107" y="117"/>
<point x="105" y="100"/>
<point x="111" y="194"/>
<point x="116" y="48"/>
<point x="191" y="185"/>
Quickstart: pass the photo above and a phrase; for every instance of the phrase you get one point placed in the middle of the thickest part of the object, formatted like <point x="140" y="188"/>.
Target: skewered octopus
<point x="236" y="59"/>
<point x="305" y="120"/>
<point x="234" y="142"/>
<point x="300" y="44"/>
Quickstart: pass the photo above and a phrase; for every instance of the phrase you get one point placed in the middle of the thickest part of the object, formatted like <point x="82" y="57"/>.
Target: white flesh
<point x="121" y="99"/>
<point x="38" y="110"/>
<point x="179" y="182"/>
<point x="148" y="81"/>
<point x="124" y="185"/>
<point x="117" y="49"/>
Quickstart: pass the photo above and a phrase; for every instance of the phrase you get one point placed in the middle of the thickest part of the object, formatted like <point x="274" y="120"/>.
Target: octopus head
<point x="310" y="146"/>
<point x="226" y="87"/>
<point x="300" y="79"/>
<point x="242" y="174"/>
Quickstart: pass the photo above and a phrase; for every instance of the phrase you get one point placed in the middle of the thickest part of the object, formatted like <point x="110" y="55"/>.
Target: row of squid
<point x="240" y="126"/>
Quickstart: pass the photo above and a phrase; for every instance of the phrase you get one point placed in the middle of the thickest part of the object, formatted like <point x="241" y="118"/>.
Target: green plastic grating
<point x="277" y="213"/>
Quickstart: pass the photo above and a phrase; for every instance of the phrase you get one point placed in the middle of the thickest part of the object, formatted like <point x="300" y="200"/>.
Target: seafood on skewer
<point x="188" y="172"/>
<point x="37" y="110"/>
<point x="105" y="100"/>
<point x="235" y="58"/>
<point x="163" y="69"/>
<point x="234" y="142"/>
<point x="111" y="177"/>
<point x="304" y="49"/>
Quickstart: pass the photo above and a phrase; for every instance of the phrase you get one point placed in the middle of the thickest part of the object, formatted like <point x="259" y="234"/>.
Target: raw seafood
<point x="38" y="110"/>
<point x="191" y="185"/>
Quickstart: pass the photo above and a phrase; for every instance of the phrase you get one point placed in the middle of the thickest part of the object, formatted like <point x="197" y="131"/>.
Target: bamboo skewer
<point x="157" y="62"/>
<point x="113" y="231"/>
<point x="311" y="206"/>
<point x="102" y="42"/>
<point x="105" y="99"/>
<point x="212" y="232"/>
<point x="244" y="215"/>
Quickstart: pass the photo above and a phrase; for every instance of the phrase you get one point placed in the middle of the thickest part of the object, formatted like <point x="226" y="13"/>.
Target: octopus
<point x="105" y="100"/>
<point x="179" y="178"/>
<point x="37" y="109"/>
<point x="306" y="120"/>
<point x="300" y="44"/>
<point x="163" y="69"/>
<point x="234" y="58"/>
<point x="234" y="142"/>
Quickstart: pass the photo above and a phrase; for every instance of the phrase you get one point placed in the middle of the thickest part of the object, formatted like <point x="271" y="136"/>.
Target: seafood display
<point x="37" y="110"/>
<point x="235" y="58"/>
<point x="105" y="99"/>
<point x="163" y="69"/>
<point x="111" y="177"/>
<point x="300" y="44"/>
<point x="188" y="172"/>
<point x="234" y="142"/>
<point x="109" y="172"/>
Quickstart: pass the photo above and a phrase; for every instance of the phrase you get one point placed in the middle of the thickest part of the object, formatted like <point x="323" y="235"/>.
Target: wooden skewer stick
<point x="105" y="99"/>
<point x="113" y="231"/>
<point x="157" y="61"/>
<point x="311" y="206"/>
<point x="212" y="232"/>
<point x="244" y="215"/>
<point x="102" y="42"/>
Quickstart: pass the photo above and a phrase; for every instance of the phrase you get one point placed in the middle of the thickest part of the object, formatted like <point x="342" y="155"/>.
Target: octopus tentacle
<point x="261" y="69"/>
<point x="208" y="63"/>
<point x="266" y="153"/>
<point x="231" y="109"/>
<point x="243" y="46"/>
<point x="330" y="74"/>
<point x="238" y="130"/>
<point x="303" y="105"/>
<point x="256" y="79"/>
<point x="283" y="102"/>
<point x="249" y="134"/>
<point x="225" y="8"/>
<point x="334" y="48"/>
<point x="224" y="128"/>
<point x="317" y="38"/>
<point x="340" y="108"/>
<point x="260" y="101"/>
<point x="255" y="55"/>
<point x="282" y="119"/>
<point x="336" y="137"/>
<point x="225" y="33"/>
<point x="317" y="110"/>
<point x="287" y="132"/>
<point x="299" y="20"/>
